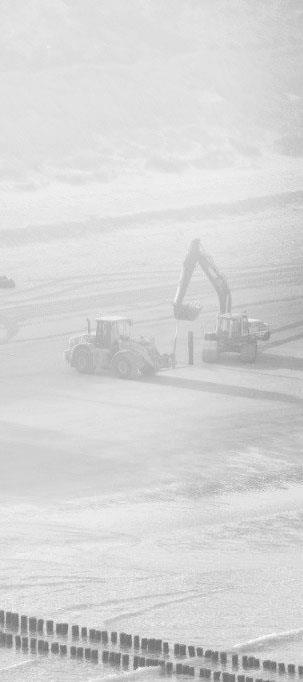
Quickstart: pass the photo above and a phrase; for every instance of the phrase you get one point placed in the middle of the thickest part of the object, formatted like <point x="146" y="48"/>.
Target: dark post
<point x="32" y="624"/>
<point x="190" y="347"/>
<point x="125" y="660"/>
<point x="23" y="623"/>
<point x="40" y="626"/>
<point x="9" y="640"/>
<point x="33" y="645"/>
<point x="75" y="631"/>
<point x="92" y="637"/>
<point x="24" y="643"/>
<point x="8" y="619"/>
<point x="40" y="646"/>
<point x="50" y="627"/>
<point x="15" y="621"/>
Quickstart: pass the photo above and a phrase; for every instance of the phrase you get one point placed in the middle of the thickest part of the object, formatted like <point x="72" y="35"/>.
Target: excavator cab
<point x="233" y="326"/>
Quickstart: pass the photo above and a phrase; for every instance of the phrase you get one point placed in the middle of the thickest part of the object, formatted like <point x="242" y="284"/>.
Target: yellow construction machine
<point x="113" y="348"/>
<point x="234" y="332"/>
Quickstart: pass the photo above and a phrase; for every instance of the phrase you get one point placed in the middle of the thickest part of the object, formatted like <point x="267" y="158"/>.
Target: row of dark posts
<point x="38" y="626"/>
<point x="228" y="677"/>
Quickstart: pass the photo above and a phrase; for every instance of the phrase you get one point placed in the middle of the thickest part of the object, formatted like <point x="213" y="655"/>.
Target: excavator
<point x="234" y="332"/>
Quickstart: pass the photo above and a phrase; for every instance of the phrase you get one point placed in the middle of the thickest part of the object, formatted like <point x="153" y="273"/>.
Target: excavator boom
<point x="197" y="256"/>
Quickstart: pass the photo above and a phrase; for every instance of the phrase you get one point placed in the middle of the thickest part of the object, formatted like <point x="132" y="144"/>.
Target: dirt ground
<point x="171" y="507"/>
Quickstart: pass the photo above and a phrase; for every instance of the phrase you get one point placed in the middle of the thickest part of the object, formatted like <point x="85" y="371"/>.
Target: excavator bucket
<point x="186" y="311"/>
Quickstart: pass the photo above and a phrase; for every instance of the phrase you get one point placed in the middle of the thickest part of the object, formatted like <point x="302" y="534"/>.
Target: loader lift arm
<point x="197" y="256"/>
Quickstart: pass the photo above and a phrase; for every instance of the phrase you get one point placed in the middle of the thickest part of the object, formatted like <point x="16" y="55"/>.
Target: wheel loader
<point x="113" y="348"/>
<point x="234" y="333"/>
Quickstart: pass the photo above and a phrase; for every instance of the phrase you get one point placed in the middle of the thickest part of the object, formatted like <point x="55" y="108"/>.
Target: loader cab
<point x="111" y="331"/>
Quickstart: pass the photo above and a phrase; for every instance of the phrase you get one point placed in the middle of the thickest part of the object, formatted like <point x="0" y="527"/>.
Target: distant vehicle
<point x="6" y="282"/>
<point x="113" y="348"/>
<point x="234" y="333"/>
<point x="8" y="329"/>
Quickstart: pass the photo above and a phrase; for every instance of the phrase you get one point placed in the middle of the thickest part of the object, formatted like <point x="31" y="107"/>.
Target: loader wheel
<point x="123" y="368"/>
<point x="248" y="353"/>
<point x="83" y="361"/>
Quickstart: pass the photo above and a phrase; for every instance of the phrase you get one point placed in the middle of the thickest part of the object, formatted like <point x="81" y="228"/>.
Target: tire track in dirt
<point x="228" y="390"/>
<point x="58" y="231"/>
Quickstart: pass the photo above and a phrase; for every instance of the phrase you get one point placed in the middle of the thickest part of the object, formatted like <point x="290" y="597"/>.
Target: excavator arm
<point x="197" y="256"/>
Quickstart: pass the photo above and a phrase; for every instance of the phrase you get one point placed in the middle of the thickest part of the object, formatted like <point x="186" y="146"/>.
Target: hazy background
<point x="91" y="90"/>
<point x="171" y="508"/>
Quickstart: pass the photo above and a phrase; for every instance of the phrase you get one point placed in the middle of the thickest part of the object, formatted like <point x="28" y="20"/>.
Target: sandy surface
<point x="170" y="507"/>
